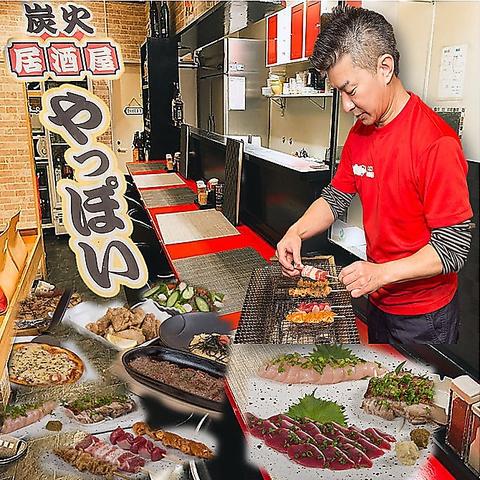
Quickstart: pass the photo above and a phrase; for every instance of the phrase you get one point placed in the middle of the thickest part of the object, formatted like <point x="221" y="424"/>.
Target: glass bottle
<point x="164" y="20"/>
<point x="473" y="440"/>
<point x="177" y="106"/>
<point x="136" y="139"/>
<point x="154" y="20"/>
<point x="464" y="392"/>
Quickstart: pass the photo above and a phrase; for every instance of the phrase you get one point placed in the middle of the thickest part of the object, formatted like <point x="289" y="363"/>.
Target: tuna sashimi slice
<point x="260" y="430"/>
<point x="335" y="459"/>
<point x="359" y="458"/>
<point x="376" y="439"/>
<point x="306" y="455"/>
<point x="386" y="436"/>
<point x="282" y="420"/>
<point x="280" y="439"/>
<point x="311" y="429"/>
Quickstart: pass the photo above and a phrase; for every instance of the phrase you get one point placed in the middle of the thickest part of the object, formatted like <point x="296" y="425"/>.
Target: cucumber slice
<point x="202" y="304"/>
<point x="180" y="307"/>
<point x="219" y="297"/>
<point x="151" y="291"/>
<point x="173" y="298"/>
<point x="188" y="293"/>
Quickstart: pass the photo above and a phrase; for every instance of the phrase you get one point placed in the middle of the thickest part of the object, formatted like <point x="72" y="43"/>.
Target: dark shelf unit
<point x="159" y="57"/>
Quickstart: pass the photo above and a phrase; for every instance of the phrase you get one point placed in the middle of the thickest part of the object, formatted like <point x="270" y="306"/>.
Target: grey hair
<point x="364" y="34"/>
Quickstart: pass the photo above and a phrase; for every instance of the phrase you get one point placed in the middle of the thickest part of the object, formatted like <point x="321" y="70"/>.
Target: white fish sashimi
<point x="329" y="375"/>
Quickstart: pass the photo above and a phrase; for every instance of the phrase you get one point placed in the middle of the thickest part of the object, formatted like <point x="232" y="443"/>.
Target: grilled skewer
<point x="84" y="461"/>
<point x="172" y="440"/>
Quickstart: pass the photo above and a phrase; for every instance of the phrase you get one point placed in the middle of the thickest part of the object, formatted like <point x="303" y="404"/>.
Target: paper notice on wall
<point x="236" y="93"/>
<point x="452" y="72"/>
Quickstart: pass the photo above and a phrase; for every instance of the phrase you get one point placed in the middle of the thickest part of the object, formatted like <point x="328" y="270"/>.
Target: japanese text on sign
<point x="41" y="19"/>
<point x="94" y="208"/>
<point x="61" y="52"/>
<point x="62" y="60"/>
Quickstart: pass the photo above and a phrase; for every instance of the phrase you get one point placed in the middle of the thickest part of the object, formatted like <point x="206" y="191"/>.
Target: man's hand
<point x="362" y="278"/>
<point x="288" y="253"/>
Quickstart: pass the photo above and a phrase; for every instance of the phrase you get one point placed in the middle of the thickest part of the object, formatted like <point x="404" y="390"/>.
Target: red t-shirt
<point x="411" y="178"/>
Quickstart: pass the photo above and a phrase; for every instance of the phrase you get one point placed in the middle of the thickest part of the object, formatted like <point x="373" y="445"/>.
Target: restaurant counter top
<point x="292" y="162"/>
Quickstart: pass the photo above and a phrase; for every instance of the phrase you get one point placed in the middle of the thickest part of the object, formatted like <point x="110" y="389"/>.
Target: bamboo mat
<point x="167" y="198"/>
<point x="145" y="167"/>
<point x="192" y="226"/>
<point x="224" y="272"/>
<point x="158" y="180"/>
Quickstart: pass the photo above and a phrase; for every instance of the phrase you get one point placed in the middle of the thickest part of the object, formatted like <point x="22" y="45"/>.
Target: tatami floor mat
<point x="167" y="198"/>
<point x="158" y="180"/>
<point x="224" y="272"/>
<point x="145" y="167"/>
<point x="192" y="226"/>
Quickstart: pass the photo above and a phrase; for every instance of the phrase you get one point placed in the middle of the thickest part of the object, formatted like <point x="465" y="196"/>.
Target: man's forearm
<point x="423" y="264"/>
<point x="315" y="220"/>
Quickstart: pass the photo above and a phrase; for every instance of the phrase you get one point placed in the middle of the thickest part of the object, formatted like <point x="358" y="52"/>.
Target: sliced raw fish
<point x="376" y="439"/>
<point x="355" y="454"/>
<point x="329" y="375"/>
<point x="283" y="420"/>
<point x="281" y="439"/>
<point x="311" y="429"/>
<point x="335" y="459"/>
<point x="386" y="436"/>
<point x="306" y="455"/>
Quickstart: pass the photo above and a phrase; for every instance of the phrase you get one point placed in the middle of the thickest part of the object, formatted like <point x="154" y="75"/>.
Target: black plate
<point x="182" y="359"/>
<point x="178" y="331"/>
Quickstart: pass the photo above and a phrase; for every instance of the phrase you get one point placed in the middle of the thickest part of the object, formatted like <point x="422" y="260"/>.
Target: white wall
<point x="458" y="23"/>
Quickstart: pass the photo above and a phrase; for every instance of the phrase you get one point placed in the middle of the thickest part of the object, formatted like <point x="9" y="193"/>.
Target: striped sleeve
<point x="452" y="245"/>
<point x="337" y="200"/>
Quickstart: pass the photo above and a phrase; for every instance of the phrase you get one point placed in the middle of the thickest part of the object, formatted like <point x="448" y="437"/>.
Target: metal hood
<point x="223" y="19"/>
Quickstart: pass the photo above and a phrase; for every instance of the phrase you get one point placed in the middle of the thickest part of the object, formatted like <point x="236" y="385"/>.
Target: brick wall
<point x="178" y="12"/>
<point x="124" y="22"/>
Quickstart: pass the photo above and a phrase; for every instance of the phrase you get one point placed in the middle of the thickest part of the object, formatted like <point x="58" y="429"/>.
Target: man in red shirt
<point x="407" y="166"/>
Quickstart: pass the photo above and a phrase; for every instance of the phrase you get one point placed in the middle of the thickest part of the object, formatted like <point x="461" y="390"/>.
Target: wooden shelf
<point x="35" y="262"/>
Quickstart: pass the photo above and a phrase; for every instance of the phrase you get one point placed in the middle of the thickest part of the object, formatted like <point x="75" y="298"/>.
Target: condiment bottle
<point x="464" y="392"/>
<point x="176" y="161"/>
<point x="202" y="195"/>
<point x="473" y="441"/>
<point x="169" y="158"/>
<point x="219" y="196"/>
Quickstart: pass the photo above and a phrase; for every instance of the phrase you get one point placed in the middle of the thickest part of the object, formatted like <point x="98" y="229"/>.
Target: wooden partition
<point x="34" y="266"/>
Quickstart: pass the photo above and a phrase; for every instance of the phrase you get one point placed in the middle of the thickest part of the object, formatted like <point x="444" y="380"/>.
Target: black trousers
<point x="440" y="326"/>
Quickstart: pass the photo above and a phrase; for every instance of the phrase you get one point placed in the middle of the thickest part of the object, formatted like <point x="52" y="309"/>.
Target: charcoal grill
<point x="267" y="303"/>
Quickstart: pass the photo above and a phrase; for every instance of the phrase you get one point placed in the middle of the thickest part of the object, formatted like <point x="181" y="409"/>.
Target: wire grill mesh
<point x="267" y="303"/>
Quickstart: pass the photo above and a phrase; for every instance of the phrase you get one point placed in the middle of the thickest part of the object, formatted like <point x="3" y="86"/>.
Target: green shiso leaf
<point x="322" y="411"/>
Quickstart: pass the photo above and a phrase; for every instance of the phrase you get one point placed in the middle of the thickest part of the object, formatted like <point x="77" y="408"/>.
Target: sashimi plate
<point x="267" y="398"/>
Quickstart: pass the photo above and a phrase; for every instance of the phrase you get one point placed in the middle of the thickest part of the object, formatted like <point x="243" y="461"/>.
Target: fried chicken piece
<point x="132" y="333"/>
<point x="137" y="317"/>
<point x="150" y="326"/>
<point x="101" y="325"/>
